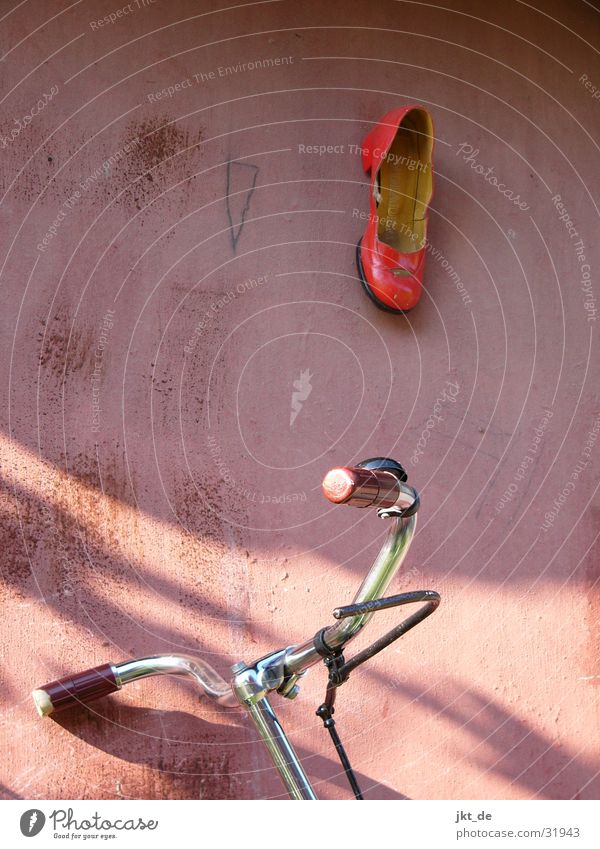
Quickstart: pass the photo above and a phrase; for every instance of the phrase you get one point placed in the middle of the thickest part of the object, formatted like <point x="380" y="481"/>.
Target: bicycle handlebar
<point x="379" y="482"/>
<point x="393" y="551"/>
<point x="108" y="678"/>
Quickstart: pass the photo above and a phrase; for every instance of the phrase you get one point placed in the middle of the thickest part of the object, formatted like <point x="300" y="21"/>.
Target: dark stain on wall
<point x="158" y="159"/>
<point x="66" y="344"/>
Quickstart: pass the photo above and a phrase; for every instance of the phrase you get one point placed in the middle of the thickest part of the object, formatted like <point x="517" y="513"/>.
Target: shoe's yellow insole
<point x="405" y="187"/>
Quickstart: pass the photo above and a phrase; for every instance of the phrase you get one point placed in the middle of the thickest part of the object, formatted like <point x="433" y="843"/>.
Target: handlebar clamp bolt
<point x="293" y="692"/>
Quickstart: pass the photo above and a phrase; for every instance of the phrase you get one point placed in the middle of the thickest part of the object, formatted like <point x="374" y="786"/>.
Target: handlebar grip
<point x="362" y="487"/>
<point x="75" y="689"/>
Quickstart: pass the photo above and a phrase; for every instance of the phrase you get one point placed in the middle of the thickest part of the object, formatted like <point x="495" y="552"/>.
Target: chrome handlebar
<point x="102" y="680"/>
<point x="282" y="669"/>
<point x="393" y="551"/>
<point x="208" y="679"/>
<point x="279" y="670"/>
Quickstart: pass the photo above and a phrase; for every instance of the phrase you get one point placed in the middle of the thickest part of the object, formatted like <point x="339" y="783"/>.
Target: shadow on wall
<point x="6" y="793"/>
<point x="190" y="757"/>
<point x="192" y="762"/>
<point x="506" y="744"/>
<point x="176" y="745"/>
<point x="82" y="572"/>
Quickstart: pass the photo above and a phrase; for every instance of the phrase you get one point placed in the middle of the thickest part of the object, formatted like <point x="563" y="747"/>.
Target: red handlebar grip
<point x="74" y="689"/>
<point x="361" y="487"/>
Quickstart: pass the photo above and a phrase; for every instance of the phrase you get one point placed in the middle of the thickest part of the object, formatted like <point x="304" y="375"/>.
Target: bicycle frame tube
<point x="281" y="750"/>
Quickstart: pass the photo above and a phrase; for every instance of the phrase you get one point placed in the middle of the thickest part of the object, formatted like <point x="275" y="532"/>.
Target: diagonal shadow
<point x="504" y="742"/>
<point x="183" y="748"/>
<point x="90" y="565"/>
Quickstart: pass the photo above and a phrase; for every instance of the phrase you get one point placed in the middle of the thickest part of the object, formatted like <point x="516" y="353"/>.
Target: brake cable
<point x="339" y="669"/>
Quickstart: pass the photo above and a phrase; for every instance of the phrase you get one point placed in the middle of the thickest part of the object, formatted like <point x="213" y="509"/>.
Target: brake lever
<point x="341" y="669"/>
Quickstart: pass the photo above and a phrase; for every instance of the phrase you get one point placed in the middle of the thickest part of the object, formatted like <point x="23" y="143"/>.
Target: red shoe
<point x="391" y="254"/>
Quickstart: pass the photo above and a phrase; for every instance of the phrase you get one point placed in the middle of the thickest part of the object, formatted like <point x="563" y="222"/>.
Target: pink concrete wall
<point x="154" y="495"/>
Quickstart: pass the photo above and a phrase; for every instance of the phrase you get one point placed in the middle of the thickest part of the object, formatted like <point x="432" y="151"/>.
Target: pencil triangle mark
<point x="241" y="182"/>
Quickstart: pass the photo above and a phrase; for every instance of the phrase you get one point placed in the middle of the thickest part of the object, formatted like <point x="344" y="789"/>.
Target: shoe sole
<point x="367" y="288"/>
